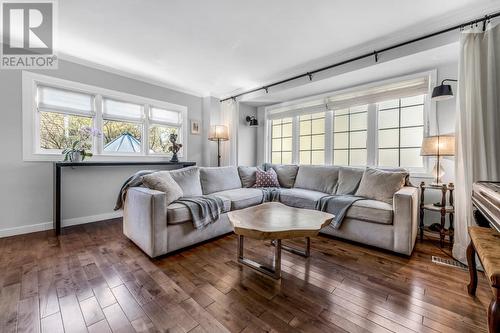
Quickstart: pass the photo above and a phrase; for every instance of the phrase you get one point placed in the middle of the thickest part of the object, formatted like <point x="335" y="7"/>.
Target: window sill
<point x="100" y="158"/>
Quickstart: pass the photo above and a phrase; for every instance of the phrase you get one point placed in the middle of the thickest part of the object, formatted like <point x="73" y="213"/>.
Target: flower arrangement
<point x="78" y="152"/>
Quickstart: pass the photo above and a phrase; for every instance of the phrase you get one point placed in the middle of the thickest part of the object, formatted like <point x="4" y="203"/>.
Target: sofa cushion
<point x="178" y="213"/>
<point x="349" y="179"/>
<point x="219" y="179"/>
<point x="287" y="173"/>
<point x="371" y="211"/>
<point x="300" y="198"/>
<point x="247" y="175"/>
<point x="380" y="185"/>
<point x="162" y="181"/>
<point x="267" y="178"/>
<point x="189" y="181"/>
<point x="317" y="178"/>
<point x="398" y="169"/>
<point x="242" y="197"/>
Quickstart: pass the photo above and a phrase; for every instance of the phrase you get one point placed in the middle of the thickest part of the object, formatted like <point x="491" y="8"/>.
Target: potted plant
<point x="78" y="151"/>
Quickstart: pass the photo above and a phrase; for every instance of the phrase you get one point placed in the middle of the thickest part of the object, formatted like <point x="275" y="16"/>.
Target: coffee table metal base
<point x="275" y="270"/>
<point x="304" y="253"/>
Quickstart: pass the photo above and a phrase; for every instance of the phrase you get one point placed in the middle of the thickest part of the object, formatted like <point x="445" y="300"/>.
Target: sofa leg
<point x="494" y="315"/>
<point x="471" y="262"/>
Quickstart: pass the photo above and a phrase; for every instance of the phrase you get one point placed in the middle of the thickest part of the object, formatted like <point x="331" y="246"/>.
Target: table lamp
<point x="218" y="133"/>
<point x="438" y="145"/>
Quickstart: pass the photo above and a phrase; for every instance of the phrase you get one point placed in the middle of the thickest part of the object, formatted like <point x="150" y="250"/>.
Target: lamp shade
<point x="442" y="92"/>
<point x="218" y="133"/>
<point x="438" y="145"/>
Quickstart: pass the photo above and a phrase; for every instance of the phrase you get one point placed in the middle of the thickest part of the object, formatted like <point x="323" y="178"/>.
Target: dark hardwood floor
<point x="95" y="279"/>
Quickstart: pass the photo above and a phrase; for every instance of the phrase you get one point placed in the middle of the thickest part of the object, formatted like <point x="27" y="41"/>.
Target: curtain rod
<point x="375" y="54"/>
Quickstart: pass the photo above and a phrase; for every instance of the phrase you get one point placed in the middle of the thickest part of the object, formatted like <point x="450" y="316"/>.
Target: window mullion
<point x="329" y="137"/>
<point x="98" y="121"/>
<point x="399" y="134"/>
<point x="371" y="135"/>
<point x="295" y="139"/>
<point x="349" y="138"/>
<point x="145" y="129"/>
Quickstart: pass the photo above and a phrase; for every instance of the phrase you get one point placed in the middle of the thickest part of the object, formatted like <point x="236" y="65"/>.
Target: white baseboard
<point x="92" y="218"/>
<point x="26" y="229"/>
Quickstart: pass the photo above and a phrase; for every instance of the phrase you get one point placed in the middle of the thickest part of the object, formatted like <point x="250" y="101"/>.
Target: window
<point x="57" y="112"/>
<point x="57" y="130"/>
<point x="61" y="114"/>
<point x="312" y="138"/>
<point x="162" y="124"/>
<point x="122" y="127"/>
<point x="350" y="135"/>
<point x="400" y="132"/>
<point x="379" y="124"/>
<point x="281" y="143"/>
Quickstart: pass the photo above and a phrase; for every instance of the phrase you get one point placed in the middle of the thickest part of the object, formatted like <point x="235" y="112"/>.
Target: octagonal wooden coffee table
<point x="275" y="221"/>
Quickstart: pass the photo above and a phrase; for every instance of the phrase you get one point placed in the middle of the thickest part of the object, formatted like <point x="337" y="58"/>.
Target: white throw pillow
<point x="189" y="181"/>
<point x="380" y="185"/>
<point x="162" y="181"/>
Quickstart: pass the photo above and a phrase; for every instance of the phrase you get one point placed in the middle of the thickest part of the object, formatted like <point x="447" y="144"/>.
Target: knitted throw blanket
<point x="337" y="205"/>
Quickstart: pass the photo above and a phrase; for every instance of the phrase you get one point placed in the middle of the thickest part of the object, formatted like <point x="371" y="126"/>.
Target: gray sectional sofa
<point x="158" y="228"/>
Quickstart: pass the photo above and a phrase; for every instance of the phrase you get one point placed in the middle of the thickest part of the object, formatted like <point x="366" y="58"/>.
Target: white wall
<point x="88" y="193"/>
<point x="247" y="136"/>
<point x="247" y="141"/>
<point x="445" y="113"/>
<point x="211" y="116"/>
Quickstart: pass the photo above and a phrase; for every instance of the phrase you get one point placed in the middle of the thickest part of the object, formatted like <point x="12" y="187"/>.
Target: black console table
<point x="57" y="180"/>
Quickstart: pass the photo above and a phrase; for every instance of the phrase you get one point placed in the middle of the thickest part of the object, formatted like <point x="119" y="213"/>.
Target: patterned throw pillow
<point x="267" y="178"/>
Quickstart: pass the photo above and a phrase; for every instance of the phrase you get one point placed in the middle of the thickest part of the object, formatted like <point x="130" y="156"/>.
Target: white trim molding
<point x="26" y="229"/>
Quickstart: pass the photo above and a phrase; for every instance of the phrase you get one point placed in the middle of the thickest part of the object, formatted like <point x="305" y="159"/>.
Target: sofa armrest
<point x="406" y="204"/>
<point x="145" y="220"/>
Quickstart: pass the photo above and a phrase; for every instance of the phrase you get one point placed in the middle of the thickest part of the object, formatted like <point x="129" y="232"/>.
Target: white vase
<point x="75" y="157"/>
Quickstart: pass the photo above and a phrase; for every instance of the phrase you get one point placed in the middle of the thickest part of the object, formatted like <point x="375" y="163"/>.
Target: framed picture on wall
<point x="195" y="127"/>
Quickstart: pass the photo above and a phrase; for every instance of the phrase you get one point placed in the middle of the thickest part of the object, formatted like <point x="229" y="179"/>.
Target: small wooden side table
<point x="441" y="207"/>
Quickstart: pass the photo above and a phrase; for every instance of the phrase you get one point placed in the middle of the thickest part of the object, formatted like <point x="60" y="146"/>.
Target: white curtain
<point x="229" y="117"/>
<point x="478" y="123"/>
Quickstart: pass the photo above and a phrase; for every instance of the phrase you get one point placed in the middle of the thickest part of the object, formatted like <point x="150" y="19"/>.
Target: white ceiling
<point x="221" y="46"/>
<point x="446" y="55"/>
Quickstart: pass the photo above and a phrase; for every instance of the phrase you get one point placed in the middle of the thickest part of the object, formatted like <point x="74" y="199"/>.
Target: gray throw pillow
<point x="286" y="173"/>
<point x="317" y="178"/>
<point x="216" y="179"/>
<point x="189" y="181"/>
<point x="398" y="169"/>
<point x="247" y="175"/>
<point x="162" y="181"/>
<point x="380" y="185"/>
<point x="349" y="179"/>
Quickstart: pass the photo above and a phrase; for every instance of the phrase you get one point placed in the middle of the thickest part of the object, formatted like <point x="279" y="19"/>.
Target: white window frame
<point x="368" y="137"/>
<point x="372" y="126"/>
<point x="150" y="122"/>
<point x="31" y="139"/>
